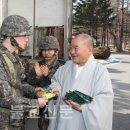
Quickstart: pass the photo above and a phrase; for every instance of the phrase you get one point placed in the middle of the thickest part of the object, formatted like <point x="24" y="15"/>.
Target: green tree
<point x="93" y="14"/>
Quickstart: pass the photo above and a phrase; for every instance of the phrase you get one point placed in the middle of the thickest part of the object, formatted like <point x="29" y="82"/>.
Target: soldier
<point x="14" y="34"/>
<point x="44" y="70"/>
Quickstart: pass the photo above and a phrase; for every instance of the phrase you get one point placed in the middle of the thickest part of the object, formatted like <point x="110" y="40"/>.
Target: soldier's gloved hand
<point x="42" y="102"/>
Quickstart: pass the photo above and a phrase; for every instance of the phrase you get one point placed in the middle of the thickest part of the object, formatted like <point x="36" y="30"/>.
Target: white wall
<point x="47" y="12"/>
<point x="50" y="12"/>
<point x="25" y="9"/>
<point x="21" y="7"/>
<point x="0" y="12"/>
<point x="3" y="10"/>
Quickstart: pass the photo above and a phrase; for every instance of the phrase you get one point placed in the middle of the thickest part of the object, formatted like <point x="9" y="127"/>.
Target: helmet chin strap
<point x="53" y="58"/>
<point x="1" y="38"/>
<point x="55" y="54"/>
<point x="15" y="43"/>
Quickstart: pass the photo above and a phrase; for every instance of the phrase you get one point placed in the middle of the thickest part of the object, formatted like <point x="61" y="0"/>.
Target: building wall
<point x="50" y="13"/>
<point x="23" y="8"/>
<point x="3" y="10"/>
<point x="44" y="13"/>
<point x="0" y="12"/>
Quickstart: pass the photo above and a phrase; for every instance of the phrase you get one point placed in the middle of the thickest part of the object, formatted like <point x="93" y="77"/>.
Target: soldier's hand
<point x="42" y="102"/>
<point x="44" y="70"/>
<point x="37" y="69"/>
<point x="55" y="90"/>
<point x="38" y="90"/>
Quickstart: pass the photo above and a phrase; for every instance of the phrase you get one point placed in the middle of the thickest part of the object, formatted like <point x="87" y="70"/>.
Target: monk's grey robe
<point x="94" y="81"/>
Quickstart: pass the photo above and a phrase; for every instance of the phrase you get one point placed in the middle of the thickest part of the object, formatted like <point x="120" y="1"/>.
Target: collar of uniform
<point x="9" y="54"/>
<point x="54" y="62"/>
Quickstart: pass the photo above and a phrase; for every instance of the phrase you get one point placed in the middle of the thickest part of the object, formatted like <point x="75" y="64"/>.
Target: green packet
<point x="78" y="97"/>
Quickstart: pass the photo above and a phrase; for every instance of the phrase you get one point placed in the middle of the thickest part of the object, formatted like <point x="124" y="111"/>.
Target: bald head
<point x="85" y="38"/>
<point x="81" y="48"/>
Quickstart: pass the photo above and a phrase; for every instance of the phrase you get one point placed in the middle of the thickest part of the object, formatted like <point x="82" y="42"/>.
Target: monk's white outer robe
<point x="94" y="81"/>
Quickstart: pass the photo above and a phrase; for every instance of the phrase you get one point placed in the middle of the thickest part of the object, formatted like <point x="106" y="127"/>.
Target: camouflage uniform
<point x="48" y="42"/>
<point x="11" y="74"/>
<point x="43" y="81"/>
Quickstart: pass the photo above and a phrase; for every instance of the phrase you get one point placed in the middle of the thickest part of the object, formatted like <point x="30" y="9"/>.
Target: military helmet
<point x="14" y="26"/>
<point x="48" y="42"/>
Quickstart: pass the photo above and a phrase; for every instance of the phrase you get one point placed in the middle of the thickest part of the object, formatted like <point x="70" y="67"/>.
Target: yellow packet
<point x="47" y="95"/>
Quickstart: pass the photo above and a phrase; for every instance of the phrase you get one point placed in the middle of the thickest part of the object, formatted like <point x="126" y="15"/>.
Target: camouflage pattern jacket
<point x="43" y="81"/>
<point x="11" y="88"/>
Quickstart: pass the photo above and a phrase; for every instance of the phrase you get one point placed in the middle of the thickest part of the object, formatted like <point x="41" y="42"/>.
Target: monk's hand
<point x="74" y="105"/>
<point x="55" y="90"/>
<point x="67" y="101"/>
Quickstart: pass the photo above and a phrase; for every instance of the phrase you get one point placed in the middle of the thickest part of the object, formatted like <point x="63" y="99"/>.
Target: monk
<point x="83" y="73"/>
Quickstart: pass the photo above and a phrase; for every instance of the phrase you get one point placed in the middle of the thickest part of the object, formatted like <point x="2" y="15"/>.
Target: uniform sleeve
<point x="30" y="76"/>
<point x="28" y="90"/>
<point x="57" y="78"/>
<point x="54" y="69"/>
<point x="12" y="96"/>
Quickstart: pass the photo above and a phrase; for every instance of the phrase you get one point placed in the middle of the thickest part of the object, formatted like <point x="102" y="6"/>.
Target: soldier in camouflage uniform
<point x="44" y="70"/>
<point x="13" y="105"/>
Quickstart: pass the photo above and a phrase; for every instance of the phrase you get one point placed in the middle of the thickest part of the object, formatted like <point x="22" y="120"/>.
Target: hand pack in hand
<point x="47" y="94"/>
<point x="78" y="97"/>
